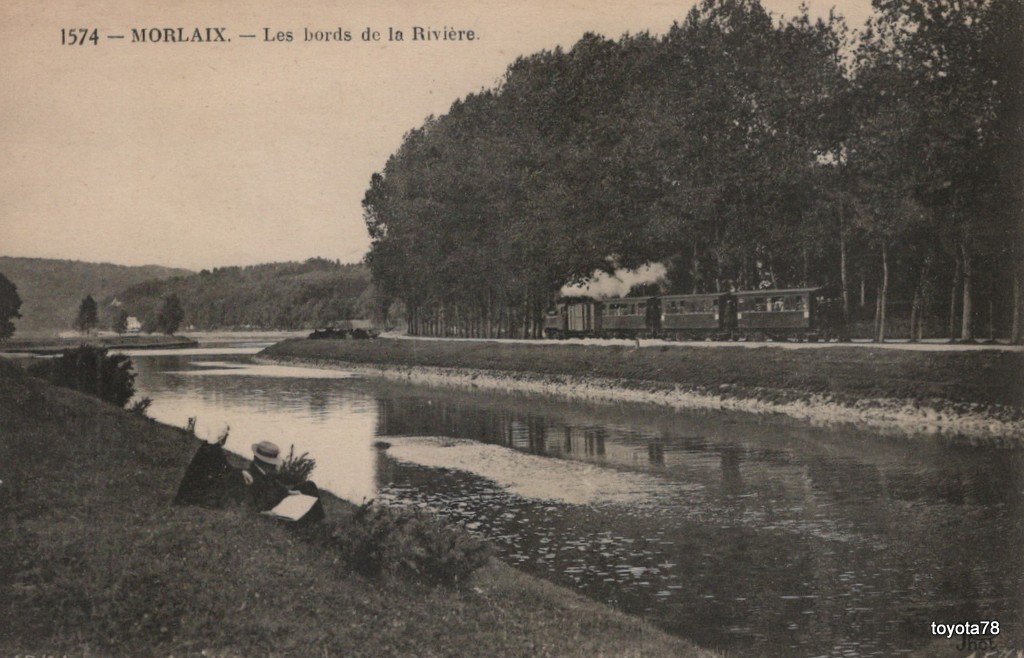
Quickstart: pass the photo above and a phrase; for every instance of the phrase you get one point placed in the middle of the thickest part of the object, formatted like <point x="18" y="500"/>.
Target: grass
<point x="54" y="345"/>
<point x="94" y="560"/>
<point x="985" y="377"/>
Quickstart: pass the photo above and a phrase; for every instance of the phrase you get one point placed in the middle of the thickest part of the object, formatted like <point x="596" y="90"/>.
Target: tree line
<point x="166" y="319"/>
<point x="739" y="149"/>
<point x="268" y="296"/>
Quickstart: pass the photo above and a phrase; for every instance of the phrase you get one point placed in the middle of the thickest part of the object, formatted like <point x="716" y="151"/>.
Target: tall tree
<point x="119" y="321"/>
<point x="171" y="314"/>
<point x="10" y="304"/>
<point x="88" y="316"/>
<point x="964" y="59"/>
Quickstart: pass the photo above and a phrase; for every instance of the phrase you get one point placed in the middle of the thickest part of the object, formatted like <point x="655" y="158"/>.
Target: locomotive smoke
<point x="603" y="285"/>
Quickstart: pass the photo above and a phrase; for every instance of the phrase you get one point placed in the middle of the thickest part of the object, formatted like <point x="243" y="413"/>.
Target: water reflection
<point x="759" y="536"/>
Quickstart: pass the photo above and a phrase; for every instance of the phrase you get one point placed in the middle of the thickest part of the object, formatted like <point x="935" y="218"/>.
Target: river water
<point x="757" y="536"/>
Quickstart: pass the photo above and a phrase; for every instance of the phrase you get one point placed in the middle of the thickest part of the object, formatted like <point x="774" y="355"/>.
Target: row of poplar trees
<point x="740" y="149"/>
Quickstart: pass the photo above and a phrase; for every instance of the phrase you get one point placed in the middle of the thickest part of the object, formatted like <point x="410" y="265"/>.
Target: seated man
<point x="266" y="490"/>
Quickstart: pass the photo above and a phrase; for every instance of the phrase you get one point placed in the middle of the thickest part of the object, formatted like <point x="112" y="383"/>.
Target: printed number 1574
<point x="78" y="36"/>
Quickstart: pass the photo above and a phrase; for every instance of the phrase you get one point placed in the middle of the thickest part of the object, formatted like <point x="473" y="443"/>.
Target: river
<point x="753" y="535"/>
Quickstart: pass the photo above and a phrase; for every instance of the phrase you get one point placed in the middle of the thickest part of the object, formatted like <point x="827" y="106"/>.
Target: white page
<point x="293" y="507"/>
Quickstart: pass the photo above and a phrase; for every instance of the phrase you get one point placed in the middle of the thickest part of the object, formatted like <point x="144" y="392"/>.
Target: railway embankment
<point x="971" y="396"/>
<point x="96" y="561"/>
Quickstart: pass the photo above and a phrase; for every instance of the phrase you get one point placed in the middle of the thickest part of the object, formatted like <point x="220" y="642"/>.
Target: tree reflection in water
<point x="763" y="536"/>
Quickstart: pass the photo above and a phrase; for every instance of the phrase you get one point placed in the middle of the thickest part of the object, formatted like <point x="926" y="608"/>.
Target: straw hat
<point x="267" y="452"/>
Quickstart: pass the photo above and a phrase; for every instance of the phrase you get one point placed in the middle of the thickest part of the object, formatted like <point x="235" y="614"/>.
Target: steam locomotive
<point x="776" y="314"/>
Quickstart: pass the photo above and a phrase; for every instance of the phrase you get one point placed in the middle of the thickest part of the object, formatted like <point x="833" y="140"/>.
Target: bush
<point x="379" y="540"/>
<point x="90" y="370"/>
<point x="140" y="406"/>
<point x="294" y="469"/>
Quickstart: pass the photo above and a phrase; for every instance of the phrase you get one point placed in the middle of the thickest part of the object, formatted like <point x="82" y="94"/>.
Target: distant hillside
<point x="51" y="289"/>
<point x="271" y="296"/>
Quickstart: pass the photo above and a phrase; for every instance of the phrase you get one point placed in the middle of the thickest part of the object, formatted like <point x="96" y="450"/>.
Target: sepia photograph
<point x="637" y="328"/>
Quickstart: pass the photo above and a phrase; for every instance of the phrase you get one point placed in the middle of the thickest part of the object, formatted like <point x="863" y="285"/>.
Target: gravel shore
<point x="958" y="420"/>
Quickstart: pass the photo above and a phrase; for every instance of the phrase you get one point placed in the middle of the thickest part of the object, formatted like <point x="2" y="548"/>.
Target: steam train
<point x="790" y="314"/>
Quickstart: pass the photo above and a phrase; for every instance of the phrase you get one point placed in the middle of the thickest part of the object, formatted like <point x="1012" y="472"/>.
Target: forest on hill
<point x="270" y="296"/>
<point x="739" y="149"/>
<point x="51" y="290"/>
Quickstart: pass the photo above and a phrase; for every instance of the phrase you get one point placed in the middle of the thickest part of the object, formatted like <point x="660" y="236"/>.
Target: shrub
<point x="294" y="469"/>
<point x="140" y="406"/>
<point x="379" y="540"/>
<point x="90" y="370"/>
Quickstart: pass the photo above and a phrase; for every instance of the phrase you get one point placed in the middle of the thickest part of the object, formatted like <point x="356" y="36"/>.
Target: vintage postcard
<point x="479" y="328"/>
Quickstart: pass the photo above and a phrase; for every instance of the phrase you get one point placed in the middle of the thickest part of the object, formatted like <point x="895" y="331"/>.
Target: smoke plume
<point x="602" y="285"/>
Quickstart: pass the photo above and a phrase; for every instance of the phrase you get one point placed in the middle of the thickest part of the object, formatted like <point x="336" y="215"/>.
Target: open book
<point x="293" y="507"/>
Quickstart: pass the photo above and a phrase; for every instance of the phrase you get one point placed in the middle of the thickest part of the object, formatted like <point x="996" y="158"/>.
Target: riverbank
<point x="96" y="561"/>
<point x="970" y="396"/>
<point x="44" y="345"/>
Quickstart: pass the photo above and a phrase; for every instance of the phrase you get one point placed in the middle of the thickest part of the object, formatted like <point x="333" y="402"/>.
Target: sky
<point x="252" y="151"/>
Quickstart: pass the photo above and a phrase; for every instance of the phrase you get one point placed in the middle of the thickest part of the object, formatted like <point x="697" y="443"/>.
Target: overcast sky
<point x="245" y="152"/>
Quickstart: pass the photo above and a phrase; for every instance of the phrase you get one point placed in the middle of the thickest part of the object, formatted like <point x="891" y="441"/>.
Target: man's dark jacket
<point x="266" y="491"/>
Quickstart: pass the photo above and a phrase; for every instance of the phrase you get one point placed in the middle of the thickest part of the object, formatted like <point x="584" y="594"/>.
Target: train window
<point x="777" y="304"/>
<point x="691" y="306"/>
<point x="754" y="304"/>
<point x="788" y="303"/>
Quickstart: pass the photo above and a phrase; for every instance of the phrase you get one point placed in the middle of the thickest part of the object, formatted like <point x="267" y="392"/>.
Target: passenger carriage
<point x="694" y="316"/>
<point x="776" y="314"/>
<point x="630" y="317"/>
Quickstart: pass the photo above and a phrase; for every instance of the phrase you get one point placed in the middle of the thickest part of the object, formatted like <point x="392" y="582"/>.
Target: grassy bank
<point x="94" y="560"/>
<point x="55" y="345"/>
<point x="973" y="396"/>
<point x="855" y="372"/>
